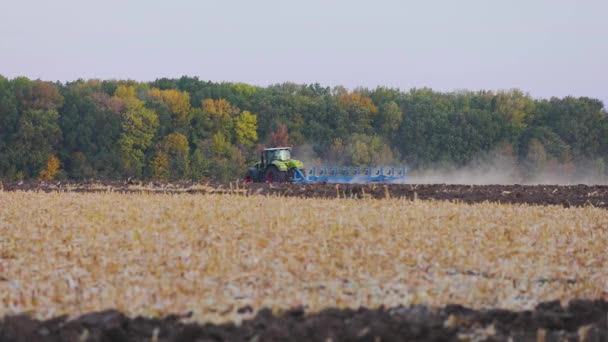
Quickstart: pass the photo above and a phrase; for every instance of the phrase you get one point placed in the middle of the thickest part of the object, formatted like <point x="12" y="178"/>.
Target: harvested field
<point x="223" y="258"/>
<point x="562" y="195"/>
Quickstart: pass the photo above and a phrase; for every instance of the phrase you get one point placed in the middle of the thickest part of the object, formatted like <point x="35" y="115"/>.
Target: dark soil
<point x="571" y="195"/>
<point x="581" y="320"/>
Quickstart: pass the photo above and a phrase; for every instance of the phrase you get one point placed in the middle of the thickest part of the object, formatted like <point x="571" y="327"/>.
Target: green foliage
<point x="364" y="150"/>
<point x="188" y="128"/>
<point x="389" y="120"/>
<point x="138" y="125"/>
<point x="9" y="116"/>
<point x="37" y="136"/>
<point x="172" y="158"/>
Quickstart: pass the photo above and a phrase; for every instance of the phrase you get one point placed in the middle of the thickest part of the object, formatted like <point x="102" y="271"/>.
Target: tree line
<point x="186" y="128"/>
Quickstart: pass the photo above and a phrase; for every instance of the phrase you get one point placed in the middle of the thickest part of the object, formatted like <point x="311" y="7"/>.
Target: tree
<point x="160" y="165"/>
<point x="171" y="159"/>
<point x="137" y="128"/>
<point x="246" y="129"/>
<point x="536" y="157"/>
<point x="9" y="117"/>
<point x="364" y="150"/>
<point x="389" y="120"/>
<point x="580" y="123"/>
<point x="359" y="111"/>
<point x="226" y="162"/>
<point x="52" y="167"/>
<point x="33" y="95"/>
<point x="90" y="122"/>
<point x="222" y="116"/>
<point x="516" y="107"/>
<point x="280" y="137"/>
<point x="199" y="165"/>
<point x="178" y="105"/>
<point x="37" y="137"/>
<point x="125" y="92"/>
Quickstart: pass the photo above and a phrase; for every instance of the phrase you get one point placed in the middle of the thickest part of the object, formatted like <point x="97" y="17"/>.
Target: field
<point x="222" y="258"/>
<point x="564" y="195"/>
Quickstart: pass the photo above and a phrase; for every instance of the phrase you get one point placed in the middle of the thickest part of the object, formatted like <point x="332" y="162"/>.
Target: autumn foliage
<point x="52" y="167"/>
<point x="280" y="137"/>
<point x="115" y="129"/>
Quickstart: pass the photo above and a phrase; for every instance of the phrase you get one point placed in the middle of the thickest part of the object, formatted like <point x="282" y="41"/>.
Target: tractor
<point x="275" y="166"/>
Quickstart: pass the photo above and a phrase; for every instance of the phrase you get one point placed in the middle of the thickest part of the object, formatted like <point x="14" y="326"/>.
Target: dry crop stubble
<point x="147" y="254"/>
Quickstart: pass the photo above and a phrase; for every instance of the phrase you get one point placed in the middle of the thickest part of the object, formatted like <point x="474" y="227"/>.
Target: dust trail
<point x="306" y="154"/>
<point x="493" y="167"/>
<point x="502" y="171"/>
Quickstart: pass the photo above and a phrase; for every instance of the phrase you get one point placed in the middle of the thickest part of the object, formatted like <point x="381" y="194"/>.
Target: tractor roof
<point x="277" y="148"/>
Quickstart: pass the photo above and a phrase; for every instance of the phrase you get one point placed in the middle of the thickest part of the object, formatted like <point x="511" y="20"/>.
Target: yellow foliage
<point x="177" y="101"/>
<point x="246" y="129"/>
<point x="160" y="166"/>
<point x="52" y="167"/>
<point x="220" y="107"/>
<point x="125" y="92"/>
<point x="172" y="157"/>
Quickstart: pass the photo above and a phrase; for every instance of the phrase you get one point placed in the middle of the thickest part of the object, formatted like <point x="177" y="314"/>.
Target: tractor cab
<point x="278" y="153"/>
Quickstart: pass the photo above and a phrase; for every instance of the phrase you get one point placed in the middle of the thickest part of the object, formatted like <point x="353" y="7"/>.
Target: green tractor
<point x="275" y="166"/>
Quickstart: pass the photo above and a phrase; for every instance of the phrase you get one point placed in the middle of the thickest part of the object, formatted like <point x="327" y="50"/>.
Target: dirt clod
<point x="582" y="320"/>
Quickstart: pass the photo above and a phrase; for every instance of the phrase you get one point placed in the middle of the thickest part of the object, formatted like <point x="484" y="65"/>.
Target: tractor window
<point x="278" y="155"/>
<point x="283" y="155"/>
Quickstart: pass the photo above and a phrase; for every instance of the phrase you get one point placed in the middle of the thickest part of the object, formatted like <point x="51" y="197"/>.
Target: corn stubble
<point x="143" y="254"/>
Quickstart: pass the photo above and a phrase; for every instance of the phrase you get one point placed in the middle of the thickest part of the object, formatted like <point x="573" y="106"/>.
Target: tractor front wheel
<point x="273" y="175"/>
<point x="251" y="176"/>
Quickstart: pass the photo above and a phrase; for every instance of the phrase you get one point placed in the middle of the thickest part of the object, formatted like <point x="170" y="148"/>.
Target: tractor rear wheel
<point x="273" y="175"/>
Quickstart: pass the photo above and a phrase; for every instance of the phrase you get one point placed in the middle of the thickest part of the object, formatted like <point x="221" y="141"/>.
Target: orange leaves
<point x="52" y="167"/>
<point x="280" y="137"/>
<point x="357" y="100"/>
<point x="37" y="95"/>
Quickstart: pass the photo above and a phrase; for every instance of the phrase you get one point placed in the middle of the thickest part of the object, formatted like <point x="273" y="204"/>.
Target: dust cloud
<point x="487" y="168"/>
<point x="505" y="171"/>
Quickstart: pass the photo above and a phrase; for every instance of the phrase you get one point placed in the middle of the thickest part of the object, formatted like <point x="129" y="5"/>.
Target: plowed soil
<point x="579" y="321"/>
<point x="563" y="195"/>
<point x="575" y="195"/>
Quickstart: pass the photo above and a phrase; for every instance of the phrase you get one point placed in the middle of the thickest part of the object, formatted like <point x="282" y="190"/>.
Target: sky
<point x="546" y="48"/>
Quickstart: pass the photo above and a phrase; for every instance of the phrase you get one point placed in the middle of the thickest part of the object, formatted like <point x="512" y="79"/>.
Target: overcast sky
<point x="546" y="48"/>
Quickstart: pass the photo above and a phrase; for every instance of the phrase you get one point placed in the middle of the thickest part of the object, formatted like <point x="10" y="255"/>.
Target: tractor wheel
<point x="273" y="175"/>
<point x="251" y="176"/>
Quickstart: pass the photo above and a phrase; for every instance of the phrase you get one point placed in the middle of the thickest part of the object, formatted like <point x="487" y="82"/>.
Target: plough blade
<point x="350" y="175"/>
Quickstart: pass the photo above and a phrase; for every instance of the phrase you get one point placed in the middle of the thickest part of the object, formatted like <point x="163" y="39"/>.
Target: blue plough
<point x="350" y="175"/>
